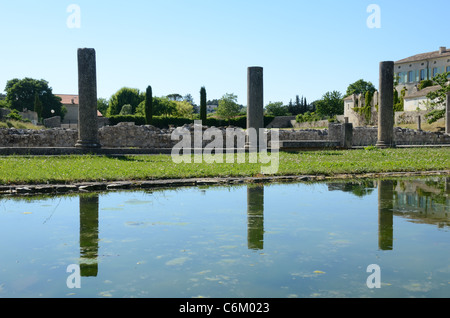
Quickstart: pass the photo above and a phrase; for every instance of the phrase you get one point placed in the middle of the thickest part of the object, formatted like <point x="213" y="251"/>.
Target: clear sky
<point x="306" y="48"/>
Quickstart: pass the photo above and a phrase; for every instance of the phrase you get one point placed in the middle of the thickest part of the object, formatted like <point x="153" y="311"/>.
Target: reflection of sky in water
<point x="291" y="240"/>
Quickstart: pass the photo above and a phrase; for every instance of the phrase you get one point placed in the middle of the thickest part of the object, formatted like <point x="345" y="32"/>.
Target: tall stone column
<point x="386" y="107"/>
<point x="447" y="115"/>
<point x="255" y="103"/>
<point x="87" y="96"/>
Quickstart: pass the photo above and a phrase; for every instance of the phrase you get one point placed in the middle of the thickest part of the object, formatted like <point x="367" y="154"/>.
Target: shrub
<point x="14" y="115"/>
<point x="138" y="120"/>
<point x="165" y="122"/>
<point x="126" y="110"/>
<point x="308" y="117"/>
<point x="425" y="83"/>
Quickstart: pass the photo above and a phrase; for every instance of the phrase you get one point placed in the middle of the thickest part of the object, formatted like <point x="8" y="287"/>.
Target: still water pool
<point x="258" y="241"/>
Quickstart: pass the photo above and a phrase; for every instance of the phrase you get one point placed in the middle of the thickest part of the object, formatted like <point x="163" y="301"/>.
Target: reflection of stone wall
<point x="130" y="135"/>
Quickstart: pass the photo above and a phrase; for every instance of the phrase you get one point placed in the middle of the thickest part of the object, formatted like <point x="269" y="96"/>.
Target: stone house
<point x="71" y="103"/>
<point x="417" y="99"/>
<point x="352" y="101"/>
<point x="414" y="69"/>
<point x="410" y="72"/>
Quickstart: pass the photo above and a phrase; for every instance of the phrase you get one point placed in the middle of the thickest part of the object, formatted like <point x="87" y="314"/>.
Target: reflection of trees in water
<point x="358" y="188"/>
<point x="424" y="200"/>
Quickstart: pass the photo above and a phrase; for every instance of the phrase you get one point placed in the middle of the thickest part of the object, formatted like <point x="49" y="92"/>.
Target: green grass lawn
<point x="68" y="169"/>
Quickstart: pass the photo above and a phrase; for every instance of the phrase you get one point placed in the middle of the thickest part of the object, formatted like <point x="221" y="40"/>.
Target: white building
<point x="72" y="105"/>
<point x="417" y="99"/>
<point x="414" y="69"/>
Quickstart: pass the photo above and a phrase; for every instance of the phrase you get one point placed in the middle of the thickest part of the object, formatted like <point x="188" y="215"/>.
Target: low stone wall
<point x="404" y="136"/>
<point x="410" y="117"/>
<point x="282" y="122"/>
<point x="310" y="124"/>
<point x="366" y="136"/>
<point x="128" y="135"/>
<point x="38" y="138"/>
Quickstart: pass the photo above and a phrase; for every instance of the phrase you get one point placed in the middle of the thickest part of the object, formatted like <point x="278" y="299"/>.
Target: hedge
<point x="164" y="122"/>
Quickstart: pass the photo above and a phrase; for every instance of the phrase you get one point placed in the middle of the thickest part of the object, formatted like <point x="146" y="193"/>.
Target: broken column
<point x="87" y="96"/>
<point x="347" y="134"/>
<point x="386" y="107"/>
<point x="255" y="103"/>
<point x="447" y="115"/>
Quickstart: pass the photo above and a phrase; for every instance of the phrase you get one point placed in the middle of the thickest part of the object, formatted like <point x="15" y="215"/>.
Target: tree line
<point x="31" y="94"/>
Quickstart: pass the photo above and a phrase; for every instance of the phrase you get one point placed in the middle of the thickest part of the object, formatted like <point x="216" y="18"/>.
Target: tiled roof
<point x="423" y="92"/>
<point x="68" y="99"/>
<point x="425" y="56"/>
<point x="349" y="97"/>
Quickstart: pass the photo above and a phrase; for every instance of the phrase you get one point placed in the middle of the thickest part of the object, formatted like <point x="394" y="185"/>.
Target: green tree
<point x="360" y="87"/>
<point x="162" y="106"/>
<point x="183" y="109"/>
<point x="438" y="98"/>
<point x="331" y="104"/>
<point x="175" y="97"/>
<point x="102" y="105"/>
<point x="21" y="93"/>
<point x="148" y="108"/>
<point x="124" y="96"/>
<point x="228" y="106"/>
<point x="38" y="106"/>
<point x="126" y="110"/>
<point x="203" y="104"/>
<point x="399" y="101"/>
<point x="277" y="109"/>
<point x="188" y="98"/>
<point x="425" y="83"/>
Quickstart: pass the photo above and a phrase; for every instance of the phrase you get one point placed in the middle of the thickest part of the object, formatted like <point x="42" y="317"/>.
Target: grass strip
<point x="70" y="169"/>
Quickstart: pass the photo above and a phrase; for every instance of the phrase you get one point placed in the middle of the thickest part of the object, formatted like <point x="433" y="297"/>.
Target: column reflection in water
<point x="255" y="217"/>
<point x="385" y="214"/>
<point x="88" y="235"/>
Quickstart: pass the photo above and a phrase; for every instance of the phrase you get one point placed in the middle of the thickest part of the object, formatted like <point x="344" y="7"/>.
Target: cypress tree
<point x="203" y="104"/>
<point x="148" y="105"/>
<point x="38" y="106"/>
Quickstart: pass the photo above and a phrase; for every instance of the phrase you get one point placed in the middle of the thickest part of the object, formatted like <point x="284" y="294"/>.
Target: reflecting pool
<point x="276" y="240"/>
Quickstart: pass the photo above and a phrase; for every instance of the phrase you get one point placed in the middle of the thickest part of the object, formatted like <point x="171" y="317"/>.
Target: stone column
<point x="87" y="91"/>
<point x="347" y="135"/>
<point x="255" y="102"/>
<point x="386" y="107"/>
<point x="447" y="115"/>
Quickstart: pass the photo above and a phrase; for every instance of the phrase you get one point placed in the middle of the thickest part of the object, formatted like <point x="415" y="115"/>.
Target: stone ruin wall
<point x="126" y="135"/>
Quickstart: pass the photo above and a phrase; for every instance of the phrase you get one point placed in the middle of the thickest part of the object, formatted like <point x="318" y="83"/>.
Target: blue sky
<point x="305" y="47"/>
